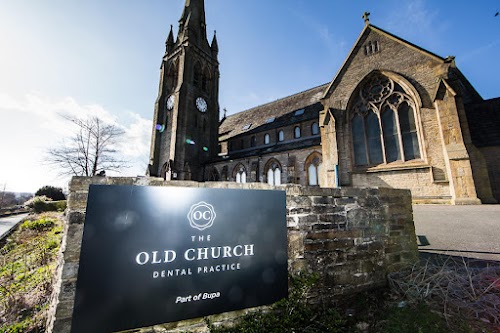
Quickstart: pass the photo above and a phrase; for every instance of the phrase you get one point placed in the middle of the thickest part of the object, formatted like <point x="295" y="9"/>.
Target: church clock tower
<point x="186" y="118"/>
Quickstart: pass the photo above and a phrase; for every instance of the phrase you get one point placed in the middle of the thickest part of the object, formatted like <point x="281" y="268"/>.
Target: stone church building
<point x="394" y="115"/>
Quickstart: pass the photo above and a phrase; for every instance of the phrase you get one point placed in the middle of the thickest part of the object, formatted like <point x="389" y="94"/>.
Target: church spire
<point x="170" y="41"/>
<point x="215" y="45"/>
<point x="192" y="22"/>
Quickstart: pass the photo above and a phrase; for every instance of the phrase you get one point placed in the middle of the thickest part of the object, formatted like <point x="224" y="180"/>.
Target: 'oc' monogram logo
<point x="201" y="216"/>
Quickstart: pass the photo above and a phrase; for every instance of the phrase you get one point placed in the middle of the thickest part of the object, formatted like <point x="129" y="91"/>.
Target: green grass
<point x="27" y="264"/>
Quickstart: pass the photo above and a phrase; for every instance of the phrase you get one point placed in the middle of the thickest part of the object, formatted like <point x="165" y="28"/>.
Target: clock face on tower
<point x="201" y="104"/>
<point x="170" y="102"/>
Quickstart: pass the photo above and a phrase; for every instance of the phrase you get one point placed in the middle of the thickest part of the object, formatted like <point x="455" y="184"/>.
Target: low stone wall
<point x="350" y="237"/>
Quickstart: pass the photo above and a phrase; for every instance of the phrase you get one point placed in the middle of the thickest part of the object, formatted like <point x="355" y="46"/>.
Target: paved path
<point x="7" y="223"/>
<point x="469" y="231"/>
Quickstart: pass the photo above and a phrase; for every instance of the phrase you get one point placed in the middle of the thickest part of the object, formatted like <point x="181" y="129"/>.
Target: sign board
<point x="153" y="255"/>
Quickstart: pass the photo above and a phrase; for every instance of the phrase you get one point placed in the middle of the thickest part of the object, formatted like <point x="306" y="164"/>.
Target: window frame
<point x="281" y="135"/>
<point x="315" y="160"/>
<point x="297" y="132"/>
<point x="315" y="128"/>
<point x="273" y="171"/>
<point x="366" y="107"/>
<point x="253" y="141"/>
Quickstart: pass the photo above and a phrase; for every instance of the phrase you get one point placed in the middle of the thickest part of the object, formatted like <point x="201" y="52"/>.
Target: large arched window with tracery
<point x="383" y="125"/>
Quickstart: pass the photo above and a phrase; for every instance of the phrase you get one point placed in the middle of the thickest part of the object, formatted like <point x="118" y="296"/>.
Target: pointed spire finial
<point x="215" y="45"/>
<point x="366" y="17"/>
<point x="170" y="40"/>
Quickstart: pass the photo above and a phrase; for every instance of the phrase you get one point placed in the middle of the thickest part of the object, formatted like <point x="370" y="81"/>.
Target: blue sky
<point x="103" y="58"/>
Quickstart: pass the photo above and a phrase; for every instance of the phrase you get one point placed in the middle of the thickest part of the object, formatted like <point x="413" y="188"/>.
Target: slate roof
<point x="484" y="122"/>
<point x="234" y="125"/>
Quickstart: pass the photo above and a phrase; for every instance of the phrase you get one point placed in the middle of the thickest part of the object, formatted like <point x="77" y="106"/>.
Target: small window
<point x="273" y="172"/>
<point x="247" y="126"/>
<point x="267" y="139"/>
<point x="313" y="167"/>
<point x="270" y="120"/>
<point x="242" y="144"/>
<point x="253" y="141"/>
<point x="314" y="129"/>
<point x="297" y="132"/>
<point x="281" y="135"/>
<point x="299" y="112"/>
<point x="241" y="177"/>
<point x="274" y="176"/>
<point x="312" y="175"/>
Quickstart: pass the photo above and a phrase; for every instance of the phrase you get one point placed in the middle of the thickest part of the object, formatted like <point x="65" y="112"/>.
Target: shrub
<point x="41" y="204"/>
<point x="54" y="193"/>
<point x="60" y="205"/>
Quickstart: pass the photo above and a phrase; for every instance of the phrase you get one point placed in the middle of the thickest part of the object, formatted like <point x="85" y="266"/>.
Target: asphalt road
<point x="7" y="223"/>
<point x="468" y="231"/>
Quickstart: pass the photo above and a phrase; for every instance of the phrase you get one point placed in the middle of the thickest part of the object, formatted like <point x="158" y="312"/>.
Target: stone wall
<point x="492" y="157"/>
<point x="418" y="180"/>
<point x="351" y="237"/>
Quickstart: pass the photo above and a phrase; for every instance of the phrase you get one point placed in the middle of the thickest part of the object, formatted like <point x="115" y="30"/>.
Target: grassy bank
<point x="27" y="263"/>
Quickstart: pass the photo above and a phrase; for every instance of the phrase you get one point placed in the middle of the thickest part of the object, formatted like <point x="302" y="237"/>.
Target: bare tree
<point x="2" y="195"/>
<point x="90" y="151"/>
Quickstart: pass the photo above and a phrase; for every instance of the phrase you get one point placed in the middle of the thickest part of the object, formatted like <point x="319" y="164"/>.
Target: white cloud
<point x="135" y="142"/>
<point x="33" y="123"/>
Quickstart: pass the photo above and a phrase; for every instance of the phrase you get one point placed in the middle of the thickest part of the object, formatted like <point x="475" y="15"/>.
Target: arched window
<point x="241" y="177"/>
<point x="171" y="80"/>
<point x="205" y="81"/>
<point x="213" y="176"/>
<point x="253" y="141"/>
<point x="197" y="78"/>
<point x="312" y="175"/>
<point x="373" y="137"/>
<point x="359" y="140"/>
<point x="391" y="140"/>
<point x="267" y="139"/>
<point x="296" y="132"/>
<point x="383" y="125"/>
<point x="273" y="172"/>
<point x="281" y="135"/>
<point x="408" y="131"/>
<point x="240" y="174"/>
<point x="313" y="168"/>
<point x="224" y="173"/>
<point x="314" y="128"/>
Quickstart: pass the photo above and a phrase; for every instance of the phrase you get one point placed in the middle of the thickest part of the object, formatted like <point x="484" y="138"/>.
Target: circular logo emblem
<point x="201" y="216"/>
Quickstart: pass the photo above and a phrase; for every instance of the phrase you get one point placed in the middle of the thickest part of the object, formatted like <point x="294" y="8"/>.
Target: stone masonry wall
<point x="351" y="237"/>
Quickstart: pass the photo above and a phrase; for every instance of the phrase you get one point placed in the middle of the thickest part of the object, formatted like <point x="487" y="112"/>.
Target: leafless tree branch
<point x="90" y="151"/>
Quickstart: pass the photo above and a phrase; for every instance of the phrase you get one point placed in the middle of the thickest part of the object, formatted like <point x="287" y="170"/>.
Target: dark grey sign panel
<point x="153" y="255"/>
